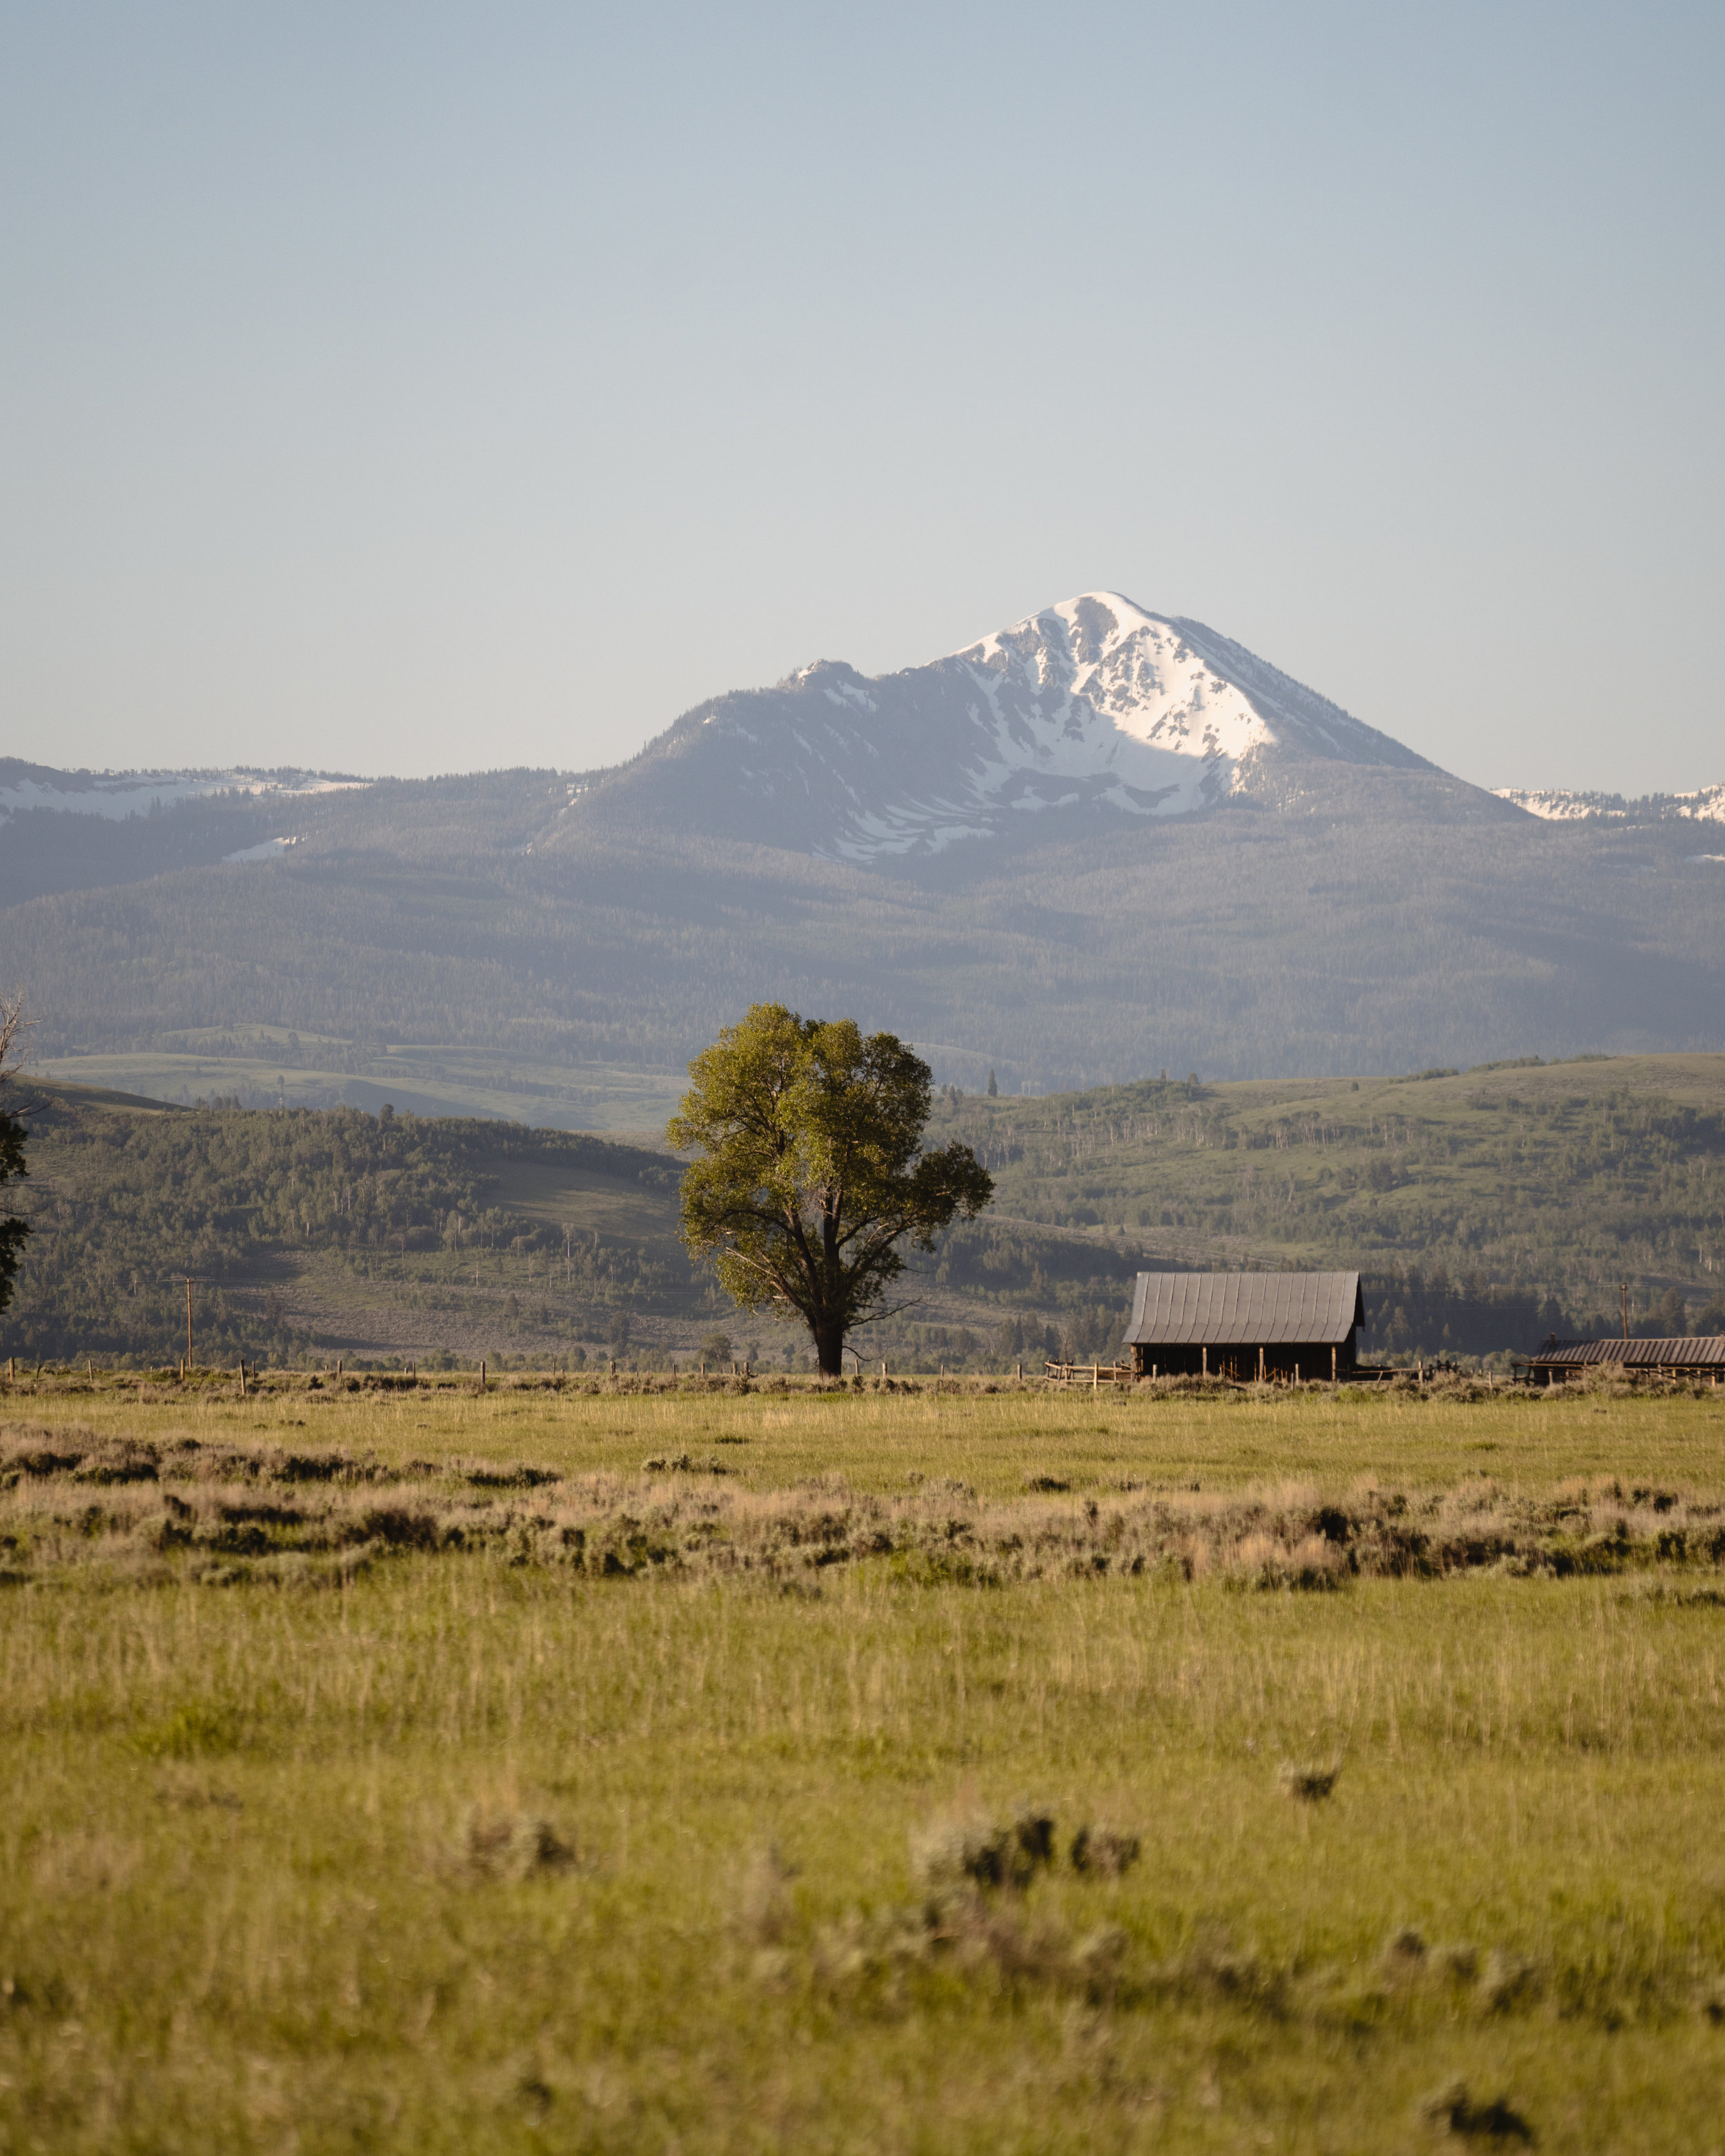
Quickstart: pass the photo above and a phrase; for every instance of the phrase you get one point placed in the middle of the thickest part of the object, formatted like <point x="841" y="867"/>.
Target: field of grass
<point x="395" y="1768"/>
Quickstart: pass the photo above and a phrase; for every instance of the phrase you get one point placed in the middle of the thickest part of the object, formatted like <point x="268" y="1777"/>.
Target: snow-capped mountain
<point x="1555" y="804"/>
<point x="1179" y="858"/>
<point x="1094" y="704"/>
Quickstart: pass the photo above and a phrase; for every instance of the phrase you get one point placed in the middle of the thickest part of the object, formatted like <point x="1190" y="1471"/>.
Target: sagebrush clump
<point x="173" y="1508"/>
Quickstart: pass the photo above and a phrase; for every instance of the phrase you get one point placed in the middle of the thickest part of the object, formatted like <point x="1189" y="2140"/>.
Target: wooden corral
<point x="1699" y="1355"/>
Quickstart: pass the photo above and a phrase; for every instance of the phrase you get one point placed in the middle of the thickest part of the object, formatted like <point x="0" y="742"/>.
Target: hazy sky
<point x="423" y="388"/>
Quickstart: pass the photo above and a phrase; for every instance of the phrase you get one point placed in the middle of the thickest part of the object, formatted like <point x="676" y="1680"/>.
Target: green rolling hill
<point x="1486" y="1208"/>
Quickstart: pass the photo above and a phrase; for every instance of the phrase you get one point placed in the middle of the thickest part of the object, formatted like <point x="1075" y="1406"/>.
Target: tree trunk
<point x="829" y="1350"/>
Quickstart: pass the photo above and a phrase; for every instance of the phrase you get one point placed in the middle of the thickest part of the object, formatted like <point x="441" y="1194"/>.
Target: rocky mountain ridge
<point x="1095" y="705"/>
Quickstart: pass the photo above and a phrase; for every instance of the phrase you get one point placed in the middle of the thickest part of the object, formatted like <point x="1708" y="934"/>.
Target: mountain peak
<point x="1096" y="623"/>
<point x="1132" y="681"/>
<point x="1169" y="681"/>
<point x="1094" y="704"/>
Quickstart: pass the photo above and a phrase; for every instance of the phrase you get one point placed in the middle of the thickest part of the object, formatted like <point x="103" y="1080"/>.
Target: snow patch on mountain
<point x="1553" y="805"/>
<point x="1135" y="672"/>
<point x="1096" y="703"/>
<point x="1557" y="804"/>
<point x="117" y="795"/>
<point x="271" y="849"/>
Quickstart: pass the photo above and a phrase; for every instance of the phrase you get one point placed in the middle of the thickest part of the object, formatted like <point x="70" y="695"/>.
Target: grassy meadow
<point x="392" y="1767"/>
<point x="267" y="1064"/>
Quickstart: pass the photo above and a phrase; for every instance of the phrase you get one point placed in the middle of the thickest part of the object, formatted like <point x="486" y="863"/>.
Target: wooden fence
<point x="1075" y="1373"/>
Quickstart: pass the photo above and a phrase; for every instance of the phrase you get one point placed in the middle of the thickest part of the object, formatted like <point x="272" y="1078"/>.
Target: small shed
<point x="1245" y="1325"/>
<point x="1700" y="1355"/>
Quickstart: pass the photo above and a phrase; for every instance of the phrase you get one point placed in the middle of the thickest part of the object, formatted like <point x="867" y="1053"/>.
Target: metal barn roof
<point x="1703" y="1352"/>
<point x="1245" y="1310"/>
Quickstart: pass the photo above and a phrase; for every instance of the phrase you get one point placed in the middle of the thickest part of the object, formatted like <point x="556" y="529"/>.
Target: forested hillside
<point x="1557" y="1181"/>
<point x="1386" y="923"/>
<point x="304" y="1230"/>
<point x="1486" y="1210"/>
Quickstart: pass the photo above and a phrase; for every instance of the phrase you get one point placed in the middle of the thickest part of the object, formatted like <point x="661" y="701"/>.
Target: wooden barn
<point x="1246" y="1324"/>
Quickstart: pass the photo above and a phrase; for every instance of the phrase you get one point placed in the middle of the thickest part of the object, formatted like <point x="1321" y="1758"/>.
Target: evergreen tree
<point x="1671" y="1314"/>
<point x="13" y="1135"/>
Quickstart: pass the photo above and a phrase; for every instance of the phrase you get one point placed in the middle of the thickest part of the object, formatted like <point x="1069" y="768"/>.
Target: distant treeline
<point x="55" y="849"/>
<point x="1516" y="1199"/>
<point x="124" y="1205"/>
<point x="1409" y="1313"/>
<point x="1486" y="1222"/>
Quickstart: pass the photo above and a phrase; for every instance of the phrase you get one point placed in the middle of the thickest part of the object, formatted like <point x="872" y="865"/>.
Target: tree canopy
<point x="809" y="1177"/>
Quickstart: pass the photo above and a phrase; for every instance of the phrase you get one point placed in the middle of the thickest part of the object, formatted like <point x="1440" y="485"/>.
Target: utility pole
<point x="189" y="1322"/>
<point x="1623" y="1286"/>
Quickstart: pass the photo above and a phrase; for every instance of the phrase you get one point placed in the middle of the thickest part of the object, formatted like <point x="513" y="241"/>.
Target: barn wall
<point x="1309" y="1358"/>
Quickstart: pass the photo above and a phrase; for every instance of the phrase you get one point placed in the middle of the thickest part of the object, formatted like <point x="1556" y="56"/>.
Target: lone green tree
<point x="809" y="1178"/>
<point x="13" y="1134"/>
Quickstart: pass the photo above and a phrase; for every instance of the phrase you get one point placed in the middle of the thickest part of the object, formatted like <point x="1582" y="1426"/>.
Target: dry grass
<point x="996" y="1437"/>
<point x="152" y="1510"/>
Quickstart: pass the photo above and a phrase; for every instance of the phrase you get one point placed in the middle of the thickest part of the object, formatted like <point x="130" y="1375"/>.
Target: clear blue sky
<point x="397" y="387"/>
